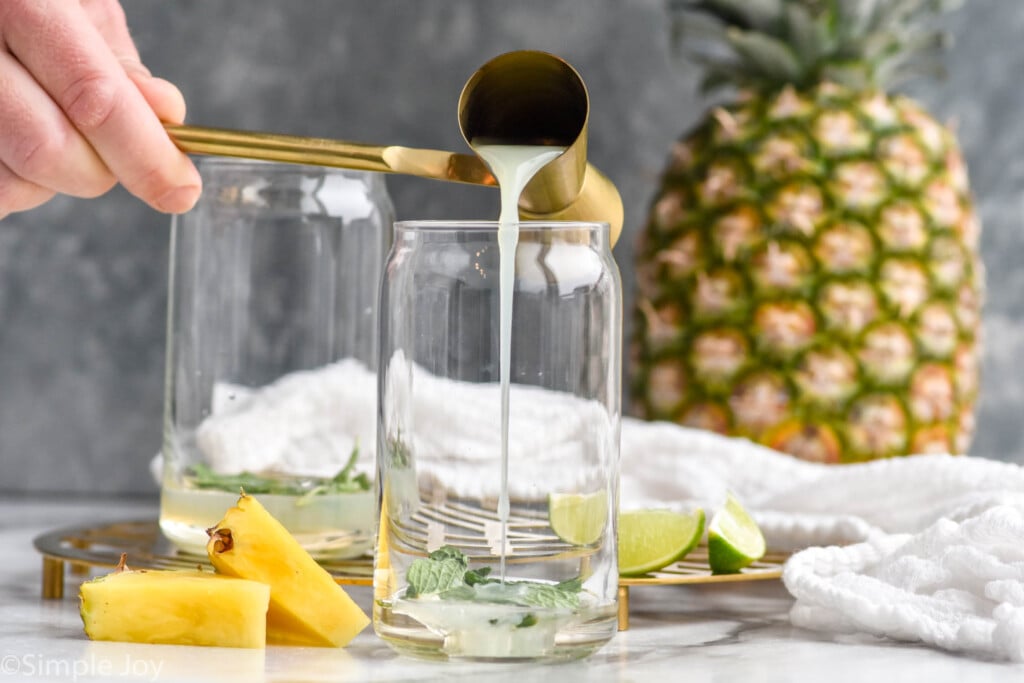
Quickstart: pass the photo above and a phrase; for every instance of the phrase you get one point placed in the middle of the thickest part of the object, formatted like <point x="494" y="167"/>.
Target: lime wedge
<point x="652" y="539"/>
<point x="578" y="518"/>
<point x="734" y="540"/>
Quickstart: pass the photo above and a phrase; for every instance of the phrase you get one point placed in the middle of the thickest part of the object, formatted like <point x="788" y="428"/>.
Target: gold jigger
<point x="524" y="98"/>
<point x="534" y="98"/>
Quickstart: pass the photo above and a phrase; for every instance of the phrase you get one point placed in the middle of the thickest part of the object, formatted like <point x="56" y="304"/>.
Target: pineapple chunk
<point x="306" y="606"/>
<point x="175" y="607"/>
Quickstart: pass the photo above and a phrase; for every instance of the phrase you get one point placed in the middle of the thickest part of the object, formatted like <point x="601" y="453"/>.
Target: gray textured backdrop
<point x="83" y="283"/>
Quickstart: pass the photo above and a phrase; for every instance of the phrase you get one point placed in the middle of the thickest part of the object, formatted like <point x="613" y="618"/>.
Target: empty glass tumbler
<point x="271" y="352"/>
<point x="485" y="552"/>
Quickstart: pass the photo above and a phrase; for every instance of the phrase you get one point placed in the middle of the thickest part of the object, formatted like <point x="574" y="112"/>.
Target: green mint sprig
<point x="446" y="574"/>
<point x="344" y="481"/>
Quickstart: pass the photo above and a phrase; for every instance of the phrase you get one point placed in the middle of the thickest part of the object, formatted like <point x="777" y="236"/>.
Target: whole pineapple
<point x="809" y="275"/>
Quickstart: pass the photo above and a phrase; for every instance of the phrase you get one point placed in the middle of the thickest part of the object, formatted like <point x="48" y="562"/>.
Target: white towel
<point x="955" y="585"/>
<point x="932" y="546"/>
<point x="934" y="543"/>
<point x="799" y="504"/>
<point x="305" y="423"/>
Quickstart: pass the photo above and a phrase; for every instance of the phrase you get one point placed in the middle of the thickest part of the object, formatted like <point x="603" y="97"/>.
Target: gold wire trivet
<point x="77" y="549"/>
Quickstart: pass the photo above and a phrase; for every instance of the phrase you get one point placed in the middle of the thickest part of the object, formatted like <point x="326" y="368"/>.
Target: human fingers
<point x="38" y="144"/>
<point x="162" y="96"/>
<point x="18" y="194"/>
<point x="70" y="59"/>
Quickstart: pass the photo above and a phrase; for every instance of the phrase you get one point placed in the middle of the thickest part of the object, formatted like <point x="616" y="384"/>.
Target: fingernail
<point x="179" y="200"/>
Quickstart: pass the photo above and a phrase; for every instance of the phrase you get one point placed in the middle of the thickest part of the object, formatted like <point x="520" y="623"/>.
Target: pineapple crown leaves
<point x="765" y="45"/>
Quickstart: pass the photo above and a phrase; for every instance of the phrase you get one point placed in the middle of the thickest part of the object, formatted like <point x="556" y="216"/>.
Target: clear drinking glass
<point x="271" y="352"/>
<point x="453" y="579"/>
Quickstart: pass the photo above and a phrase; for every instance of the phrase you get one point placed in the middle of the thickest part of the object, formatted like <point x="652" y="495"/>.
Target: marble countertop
<point x="725" y="632"/>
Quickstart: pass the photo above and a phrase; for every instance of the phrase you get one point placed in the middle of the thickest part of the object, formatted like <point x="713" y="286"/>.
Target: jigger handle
<point x="293" y="149"/>
<point x="598" y="200"/>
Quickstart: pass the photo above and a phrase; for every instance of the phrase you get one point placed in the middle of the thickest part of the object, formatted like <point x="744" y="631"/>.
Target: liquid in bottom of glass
<point x="521" y="618"/>
<point x="327" y="525"/>
<point x="495" y="631"/>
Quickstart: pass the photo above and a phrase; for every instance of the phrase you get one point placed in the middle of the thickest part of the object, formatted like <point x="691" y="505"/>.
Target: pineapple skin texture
<point x="175" y="608"/>
<point x="809" y="278"/>
<point x="307" y="607"/>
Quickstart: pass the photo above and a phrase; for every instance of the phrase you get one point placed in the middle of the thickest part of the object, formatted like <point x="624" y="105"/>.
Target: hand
<point x="79" y="112"/>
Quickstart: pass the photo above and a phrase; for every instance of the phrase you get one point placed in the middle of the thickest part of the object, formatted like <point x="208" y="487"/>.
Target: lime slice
<point x="652" y="539"/>
<point x="578" y="518"/>
<point x="734" y="540"/>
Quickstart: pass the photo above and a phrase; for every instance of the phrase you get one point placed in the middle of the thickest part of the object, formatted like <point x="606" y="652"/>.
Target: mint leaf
<point x="342" y="482"/>
<point x="564" y="595"/>
<point x="528" y="620"/>
<point x="427" y="577"/>
<point x="398" y="452"/>
<point x="440" y="572"/>
<point x="445" y="573"/>
<point x="548" y="596"/>
<point x="203" y="477"/>
<point x="458" y="593"/>
<point x="447" y="552"/>
<point x="478" y="576"/>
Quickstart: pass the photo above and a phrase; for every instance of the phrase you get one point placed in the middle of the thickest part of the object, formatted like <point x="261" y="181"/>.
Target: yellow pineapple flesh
<point x="306" y="606"/>
<point x="176" y="608"/>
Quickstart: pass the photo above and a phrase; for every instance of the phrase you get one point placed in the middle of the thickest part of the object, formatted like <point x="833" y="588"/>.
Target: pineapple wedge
<point x="175" y="607"/>
<point x="306" y="606"/>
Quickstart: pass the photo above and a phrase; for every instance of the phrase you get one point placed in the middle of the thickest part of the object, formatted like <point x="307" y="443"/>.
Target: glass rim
<point x="485" y="225"/>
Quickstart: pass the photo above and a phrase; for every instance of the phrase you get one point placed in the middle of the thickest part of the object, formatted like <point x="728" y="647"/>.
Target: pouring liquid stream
<point x="513" y="166"/>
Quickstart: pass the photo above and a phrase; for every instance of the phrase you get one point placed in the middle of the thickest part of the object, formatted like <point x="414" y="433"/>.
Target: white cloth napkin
<point x="308" y="422"/>
<point x="931" y="547"/>
<point x="935" y="543"/>
<point x="958" y="585"/>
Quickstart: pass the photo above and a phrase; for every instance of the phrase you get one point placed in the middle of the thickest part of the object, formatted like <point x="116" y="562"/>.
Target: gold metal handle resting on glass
<point x="524" y="98"/>
<point x="292" y="149"/>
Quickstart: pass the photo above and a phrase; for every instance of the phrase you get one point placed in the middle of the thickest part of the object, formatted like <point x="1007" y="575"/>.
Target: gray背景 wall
<point x="83" y="282"/>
